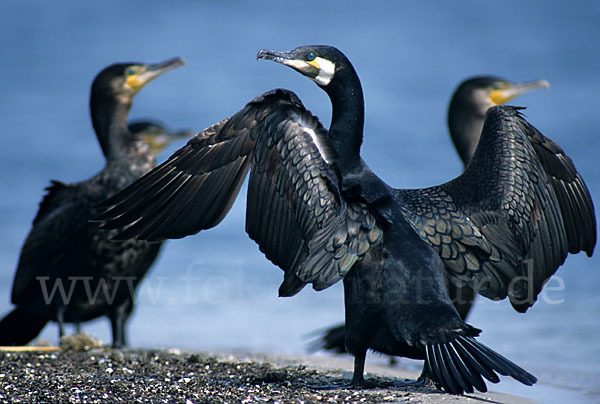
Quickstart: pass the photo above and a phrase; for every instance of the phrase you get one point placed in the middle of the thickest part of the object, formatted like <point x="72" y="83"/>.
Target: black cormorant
<point x="317" y="211"/>
<point x="466" y="113"/>
<point x="69" y="271"/>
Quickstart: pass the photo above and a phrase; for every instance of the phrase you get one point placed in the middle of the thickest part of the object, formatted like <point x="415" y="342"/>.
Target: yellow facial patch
<point x="505" y="92"/>
<point x="499" y="97"/>
<point x="314" y="63"/>
<point x="134" y="82"/>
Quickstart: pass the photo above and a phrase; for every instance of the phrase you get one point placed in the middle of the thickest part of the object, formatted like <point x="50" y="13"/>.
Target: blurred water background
<point x="214" y="290"/>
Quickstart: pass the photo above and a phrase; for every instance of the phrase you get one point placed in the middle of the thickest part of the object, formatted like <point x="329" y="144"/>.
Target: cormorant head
<point x="483" y="92"/>
<point x="320" y="63"/>
<point x="156" y="135"/>
<point x="112" y="93"/>
<point x="123" y="81"/>
<point x="471" y="100"/>
<point x="333" y="72"/>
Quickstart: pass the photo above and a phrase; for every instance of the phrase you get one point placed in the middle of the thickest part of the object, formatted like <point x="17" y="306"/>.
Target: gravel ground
<point x="103" y="375"/>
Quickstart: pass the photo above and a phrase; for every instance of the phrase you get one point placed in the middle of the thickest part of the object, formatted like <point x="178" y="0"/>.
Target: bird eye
<point x="131" y="72"/>
<point x="311" y="56"/>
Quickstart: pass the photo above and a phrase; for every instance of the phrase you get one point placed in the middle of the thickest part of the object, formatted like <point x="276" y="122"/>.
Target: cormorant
<point x="156" y="134"/>
<point x="318" y="212"/>
<point x="466" y="113"/>
<point x="69" y="271"/>
<point x="471" y="100"/>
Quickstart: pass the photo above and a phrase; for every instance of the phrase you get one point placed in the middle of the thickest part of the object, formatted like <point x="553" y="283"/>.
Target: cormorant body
<point x="466" y="113"/>
<point x="318" y="212"/>
<point x="69" y="270"/>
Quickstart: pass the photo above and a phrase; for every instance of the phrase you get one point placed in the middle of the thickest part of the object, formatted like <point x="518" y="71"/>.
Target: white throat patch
<point x="482" y="97"/>
<point x="296" y="64"/>
<point x="326" y="71"/>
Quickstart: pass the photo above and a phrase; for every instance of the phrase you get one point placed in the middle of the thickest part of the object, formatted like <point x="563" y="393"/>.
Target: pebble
<point x="105" y="375"/>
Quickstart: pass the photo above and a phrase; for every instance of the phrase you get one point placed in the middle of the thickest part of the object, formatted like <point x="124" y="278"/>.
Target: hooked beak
<point x="288" y="59"/>
<point x="279" y="57"/>
<point x="153" y="71"/>
<point x="504" y="95"/>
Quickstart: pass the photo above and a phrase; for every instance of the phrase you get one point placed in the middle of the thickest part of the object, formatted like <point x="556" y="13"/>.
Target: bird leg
<point x="423" y="381"/>
<point x="358" y="381"/>
<point x="118" y="331"/>
<point x="118" y="317"/>
<point x="60" y="319"/>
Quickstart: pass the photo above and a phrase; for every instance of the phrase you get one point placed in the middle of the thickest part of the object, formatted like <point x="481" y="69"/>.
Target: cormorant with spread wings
<point x="466" y="113"/>
<point x="317" y="211"/>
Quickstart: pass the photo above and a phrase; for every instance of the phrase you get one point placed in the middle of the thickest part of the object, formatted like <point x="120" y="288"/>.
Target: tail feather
<point x="330" y="339"/>
<point x="20" y="327"/>
<point x="458" y="366"/>
<point x="440" y="370"/>
<point x="475" y="364"/>
<point x="508" y="367"/>
<point x="466" y="371"/>
<point x="452" y="369"/>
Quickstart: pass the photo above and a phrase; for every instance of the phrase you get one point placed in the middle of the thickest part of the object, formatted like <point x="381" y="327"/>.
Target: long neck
<point x="465" y="123"/>
<point x="347" y="120"/>
<point x="109" y="119"/>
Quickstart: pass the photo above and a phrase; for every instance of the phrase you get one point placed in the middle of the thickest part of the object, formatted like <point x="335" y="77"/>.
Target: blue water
<point x="215" y="290"/>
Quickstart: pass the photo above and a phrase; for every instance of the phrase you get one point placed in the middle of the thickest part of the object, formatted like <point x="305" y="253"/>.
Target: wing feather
<point x="295" y="207"/>
<point x="511" y="219"/>
<point x="191" y="191"/>
<point x="295" y="204"/>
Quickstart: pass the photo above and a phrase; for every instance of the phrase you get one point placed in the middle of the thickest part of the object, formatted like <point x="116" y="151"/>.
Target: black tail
<point x="19" y="327"/>
<point x="457" y="366"/>
<point x="331" y="339"/>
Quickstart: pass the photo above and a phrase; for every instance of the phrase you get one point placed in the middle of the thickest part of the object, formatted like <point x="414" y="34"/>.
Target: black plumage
<point x="317" y="211"/>
<point x="69" y="271"/>
<point x="466" y="112"/>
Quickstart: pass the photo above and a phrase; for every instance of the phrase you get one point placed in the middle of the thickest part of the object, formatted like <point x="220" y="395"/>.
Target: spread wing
<point x="509" y="222"/>
<point x="191" y="191"/>
<point x="295" y="210"/>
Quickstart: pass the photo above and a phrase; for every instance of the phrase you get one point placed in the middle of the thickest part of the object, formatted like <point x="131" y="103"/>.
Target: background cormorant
<point x="157" y="135"/>
<point x="317" y="211"/>
<point x="471" y="100"/>
<point x="69" y="271"/>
